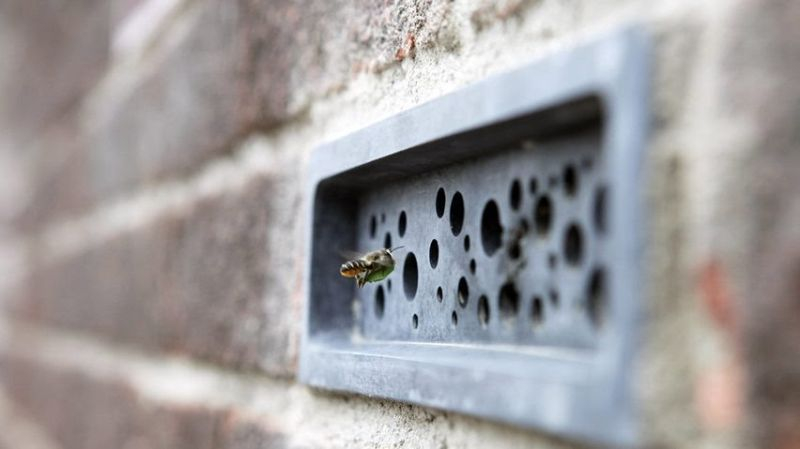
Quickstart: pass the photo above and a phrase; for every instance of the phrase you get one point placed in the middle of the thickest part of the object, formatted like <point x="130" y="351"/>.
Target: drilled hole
<point x="533" y="186"/>
<point x="555" y="300"/>
<point x="552" y="182"/>
<point x="410" y="276"/>
<point x="454" y="318"/>
<point x="515" y="195"/>
<point x="599" y="212"/>
<point x="387" y="241"/>
<point x="472" y="266"/>
<point x="543" y="215"/>
<point x="440" y="202"/>
<point x="373" y="226"/>
<point x="537" y="311"/>
<point x="383" y="218"/>
<point x="389" y="285"/>
<point x="552" y="261"/>
<point x="483" y="311"/>
<point x="509" y="301"/>
<point x="415" y="321"/>
<point x="597" y="299"/>
<point x="433" y="254"/>
<point x="573" y="244"/>
<point x="466" y="243"/>
<point x="439" y="294"/>
<point x="463" y="292"/>
<point x="401" y="224"/>
<point x="586" y="163"/>
<point x="570" y="177"/>
<point x="457" y="213"/>
<point x="380" y="300"/>
<point x="491" y="228"/>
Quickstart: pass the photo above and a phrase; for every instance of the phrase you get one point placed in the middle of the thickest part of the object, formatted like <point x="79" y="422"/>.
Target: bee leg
<point x="361" y="279"/>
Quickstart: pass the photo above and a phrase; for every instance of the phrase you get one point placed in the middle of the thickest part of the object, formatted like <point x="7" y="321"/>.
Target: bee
<point x="371" y="267"/>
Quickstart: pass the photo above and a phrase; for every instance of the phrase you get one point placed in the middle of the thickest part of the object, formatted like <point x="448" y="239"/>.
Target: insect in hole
<point x="373" y="266"/>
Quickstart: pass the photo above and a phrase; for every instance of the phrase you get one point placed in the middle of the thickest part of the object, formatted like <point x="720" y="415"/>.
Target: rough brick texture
<point x="81" y="412"/>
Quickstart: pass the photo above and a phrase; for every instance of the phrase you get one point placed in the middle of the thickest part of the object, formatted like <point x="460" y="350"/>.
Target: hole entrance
<point x="509" y="301"/>
<point x="533" y="186"/>
<point x="387" y="241"/>
<point x="401" y="224"/>
<point x="380" y="301"/>
<point x="410" y="276"/>
<point x="599" y="209"/>
<point x="433" y="253"/>
<point x="483" y="311"/>
<point x="552" y="261"/>
<point x="491" y="228"/>
<point x="537" y="311"/>
<point x="573" y="244"/>
<point x="415" y="321"/>
<point x="454" y="318"/>
<point x="457" y="213"/>
<point x="373" y="226"/>
<point x="466" y="243"/>
<point x="543" y="215"/>
<point x="440" y="202"/>
<point x="389" y="285"/>
<point x="383" y="217"/>
<point x="472" y="266"/>
<point x="439" y="294"/>
<point x="515" y="195"/>
<point x="570" y="178"/>
<point x="597" y="299"/>
<point x="463" y="292"/>
<point x="554" y="297"/>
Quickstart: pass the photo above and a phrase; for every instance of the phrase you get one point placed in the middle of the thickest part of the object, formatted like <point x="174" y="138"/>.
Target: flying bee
<point x="371" y="267"/>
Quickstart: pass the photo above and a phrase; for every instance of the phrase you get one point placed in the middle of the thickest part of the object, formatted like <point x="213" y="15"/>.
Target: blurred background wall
<point x="152" y="163"/>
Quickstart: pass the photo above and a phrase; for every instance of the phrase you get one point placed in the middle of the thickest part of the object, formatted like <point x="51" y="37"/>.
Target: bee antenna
<point x="395" y="249"/>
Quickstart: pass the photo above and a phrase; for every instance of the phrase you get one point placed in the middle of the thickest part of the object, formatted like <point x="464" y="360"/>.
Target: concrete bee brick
<point x="517" y="205"/>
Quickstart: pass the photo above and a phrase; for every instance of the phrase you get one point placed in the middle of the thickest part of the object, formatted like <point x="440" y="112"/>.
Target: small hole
<point x="483" y="311"/>
<point x="570" y="176"/>
<point x="415" y="321"/>
<point x="373" y="226"/>
<point x="596" y="297"/>
<point x="537" y="311"/>
<point x="472" y="266"/>
<point x="515" y="195"/>
<point x="383" y="218"/>
<point x="466" y="243"/>
<point x="401" y="224"/>
<point x="463" y="292"/>
<point x="533" y="186"/>
<point x="410" y="276"/>
<point x="380" y="300"/>
<point x="554" y="297"/>
<point x="387" y="241"/>
<point x="552" y="261"/>
<point x="454" y="318"/>
<point x="586" y="163"/>
<point x="491" y="228"/>
<point x="457" y="213"/>
<point x="599" y="212"/>
<point x="553" y="181"/>
<point x="439" y="294"/>
<point x="573" y="244"/>
<point x="509" y="300"/>
<point x="433" y="254"/>
<point x="389" y="285"/>
<point x="543" y="215"/>
<point x="440" y="202"/>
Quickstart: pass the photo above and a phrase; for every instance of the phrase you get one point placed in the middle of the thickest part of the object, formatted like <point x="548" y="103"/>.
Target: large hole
<point x="373" y="226"/>
<point x="509" y="301"/>
<point x="380" y="301"/>
<point x="543" y="215"/>
<point x="599" y="209"/>
<point x="433" y="253"/>
<point x="457" y="213"/>
<point x="466" y="243"/>
<point x="401" y="224"/>
<point x="570" y="177"/>
<point x="410" y="276"/>
<point x="537" y="311"/>
<point x="440" y="202"/>
<point x="463" y="292"/>
<point x="491" y="228"/>
<point x="597" y="299"/>
<point x="515" y="195"/>
<point x="573" y="244"/>
<point x="483" y="311"/>
<point x="387" y="241"/>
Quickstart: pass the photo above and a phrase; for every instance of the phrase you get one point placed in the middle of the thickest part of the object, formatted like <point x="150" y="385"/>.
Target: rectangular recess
<point x="536" y="320"/>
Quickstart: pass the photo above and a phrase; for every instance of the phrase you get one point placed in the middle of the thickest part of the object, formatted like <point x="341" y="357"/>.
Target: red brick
<point x="205" y="280"/>
<point x="81" y="412"/>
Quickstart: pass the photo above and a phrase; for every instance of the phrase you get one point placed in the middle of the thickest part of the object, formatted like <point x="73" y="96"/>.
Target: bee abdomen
<point x="353" y="267"/>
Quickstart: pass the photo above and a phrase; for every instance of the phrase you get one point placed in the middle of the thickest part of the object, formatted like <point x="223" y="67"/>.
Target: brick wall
<point x="153" y="159"/>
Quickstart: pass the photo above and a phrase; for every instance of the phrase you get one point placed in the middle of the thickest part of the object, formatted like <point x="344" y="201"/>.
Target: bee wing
<point x="350" y="255"/>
